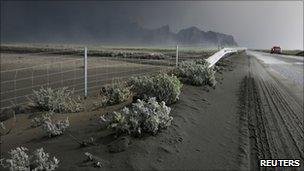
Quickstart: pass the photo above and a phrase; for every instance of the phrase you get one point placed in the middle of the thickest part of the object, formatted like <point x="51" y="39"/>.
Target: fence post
<point x="47" y="76"/>
<point x="85" y="73"/>
<point x="15" y="87"/>
<point x="176" y="57"/>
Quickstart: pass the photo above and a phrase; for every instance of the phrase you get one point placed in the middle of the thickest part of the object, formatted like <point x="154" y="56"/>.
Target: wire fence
<point x="25" y="70"/>
<point x="21" y="73"/>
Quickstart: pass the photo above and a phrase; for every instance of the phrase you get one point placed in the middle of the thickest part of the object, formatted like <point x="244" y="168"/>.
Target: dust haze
<point x="253" y="24"/>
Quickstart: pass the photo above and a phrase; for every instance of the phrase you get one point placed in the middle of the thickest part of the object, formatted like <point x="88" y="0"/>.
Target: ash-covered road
<point x="272" y="109"/>
<point x="288" y="70"/>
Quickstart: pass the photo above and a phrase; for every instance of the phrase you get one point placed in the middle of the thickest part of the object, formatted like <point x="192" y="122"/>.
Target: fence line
<point x="41" y="76"/>
<point x="19" y="83"/>
<point x="25" y="68"/>
<point x="61" y="80"/>
<point x="138" y="74"/>
<point x="40" y="85"/>
<point x="49" y="51"/>
<point x="26" y="96"/>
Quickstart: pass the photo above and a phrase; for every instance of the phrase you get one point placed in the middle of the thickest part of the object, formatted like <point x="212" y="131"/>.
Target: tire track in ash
<point x="285" y="119"/>
<point x="257" y="146"/>
<point x="254" y="132"/>
<point x="270" y="120"/>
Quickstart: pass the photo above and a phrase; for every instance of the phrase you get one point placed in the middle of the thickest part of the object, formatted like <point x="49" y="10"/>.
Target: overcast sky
<point x="254" y="24"/>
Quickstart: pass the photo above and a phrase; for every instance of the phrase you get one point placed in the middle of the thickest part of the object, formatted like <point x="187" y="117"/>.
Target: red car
<point x="276" y="49"/>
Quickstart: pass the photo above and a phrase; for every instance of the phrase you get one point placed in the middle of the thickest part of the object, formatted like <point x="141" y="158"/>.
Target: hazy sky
<point x="254" y="24"/>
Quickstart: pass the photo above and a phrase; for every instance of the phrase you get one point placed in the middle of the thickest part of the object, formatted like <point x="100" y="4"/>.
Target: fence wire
<point x="21" y="73"/>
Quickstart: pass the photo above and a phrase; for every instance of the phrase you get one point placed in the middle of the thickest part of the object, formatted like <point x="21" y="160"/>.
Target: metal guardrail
<point x="220" y="54"/>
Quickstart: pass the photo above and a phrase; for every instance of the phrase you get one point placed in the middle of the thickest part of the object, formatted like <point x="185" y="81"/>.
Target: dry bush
<point x="39" y="120"/>
<point x="115" y="93"/>
<point x="21" y="161"/>
<point x="161" y="86"/>
<point x="196" y="73"/>
<point x="50" y="127"/>
<point x="61" y="100"/>
<point x="2" y="126"/>
<point x="143" y="117"/>
<point x="53" y="129"/>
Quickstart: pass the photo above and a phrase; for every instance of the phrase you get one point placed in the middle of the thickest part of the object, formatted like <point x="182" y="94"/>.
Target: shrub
<point x="50" y="127"/>
<point x="161" y="86"/>
<point x="42" y="161"/>
<point x="91" y="158"/>
<point x="142" y="117"/>
<point x="201" y="62"/>
<point x="60" y="100"/>
<point x="38" y="121"/>
<point x="115" y="93"/>
<point x="196" y="73"/>
<point x="2" y="126"/>
<point x="55" y="128"/>
<point x="20" y="161"/>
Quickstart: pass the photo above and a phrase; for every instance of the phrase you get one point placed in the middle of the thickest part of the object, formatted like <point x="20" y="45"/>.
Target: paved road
<point x="288" y="70"/>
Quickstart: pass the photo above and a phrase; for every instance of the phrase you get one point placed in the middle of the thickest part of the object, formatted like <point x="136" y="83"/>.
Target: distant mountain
<point x="193" y="35"/>
<point x="135" y="34"/>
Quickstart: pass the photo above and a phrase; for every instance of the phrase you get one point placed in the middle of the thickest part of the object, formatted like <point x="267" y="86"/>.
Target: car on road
<point x="276" y="49"/>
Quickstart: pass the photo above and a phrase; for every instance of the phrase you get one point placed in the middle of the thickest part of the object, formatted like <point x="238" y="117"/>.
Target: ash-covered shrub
<point x="21" y="161"/>
<point x="161" y="86"/>
<point x="196" y="73"/>
<point x="115" y="93"/>
<point x="201" y="62"/>
<point x="52" y="128"/>
<point x="142" y="117"/>
<point x="42" y="161"/>
<point x="2" y="126"/>
<point x="60" y="100"/>
<point x="38" y="121"/>
<point x="95" y="161"/>
<point x="223" y="65"/>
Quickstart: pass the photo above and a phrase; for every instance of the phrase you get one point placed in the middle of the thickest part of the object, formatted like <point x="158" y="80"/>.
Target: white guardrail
<point x="220" y="54"/>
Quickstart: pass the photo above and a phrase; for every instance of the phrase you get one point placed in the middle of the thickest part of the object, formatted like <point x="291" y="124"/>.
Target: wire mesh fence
<point x="21" y="73"/>
<point x="26" y="69"/>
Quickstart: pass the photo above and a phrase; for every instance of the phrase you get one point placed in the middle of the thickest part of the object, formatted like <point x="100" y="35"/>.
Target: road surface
<point x="288" y="70"/>
<point x="272" y="108"/>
